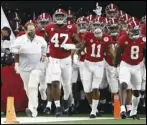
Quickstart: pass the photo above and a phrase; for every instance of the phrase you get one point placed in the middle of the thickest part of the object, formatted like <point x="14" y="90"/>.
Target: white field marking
<point x="54" y="119"/>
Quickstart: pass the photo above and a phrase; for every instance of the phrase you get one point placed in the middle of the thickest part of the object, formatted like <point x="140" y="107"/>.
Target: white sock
<point x="122" y="108"/>
<point x="57" y="103"/>
<point x="73" y="101"/>
<point x="94" y="106"/>
<point x="129" y="107"/>
<point x="49" y="103"/>
<point x="135" y="102"/>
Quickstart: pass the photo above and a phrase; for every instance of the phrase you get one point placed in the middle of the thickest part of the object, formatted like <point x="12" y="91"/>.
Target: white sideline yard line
<point x="54" y="119"/>
<point x="51" y="119"/>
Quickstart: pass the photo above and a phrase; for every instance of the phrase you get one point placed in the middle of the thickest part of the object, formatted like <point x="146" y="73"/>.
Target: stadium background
<point x="31" y="9"/>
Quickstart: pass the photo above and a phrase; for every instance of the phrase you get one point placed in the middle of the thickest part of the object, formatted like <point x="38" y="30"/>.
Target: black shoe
<point x="28" y="112"/>
<point x="70" y="111"/>
<point x="65" y="106"/>
<point x="47" y="110"/>
<point x="135" y="117"/>
<point x="128" y="113"/>
<point x="142" y="102"/>
<point x="58" y="112"/>
<point x="92" y="116"/>
<point x="123" y="115"/>
<point x="98" y="114"/>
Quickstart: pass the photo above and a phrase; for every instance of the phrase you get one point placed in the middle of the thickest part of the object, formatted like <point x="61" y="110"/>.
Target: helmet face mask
<point x="98" y="33"/>
<point x="134" y="33"/>
<point x="60" y="18"/>
<point x="113" y="30"/>
<point x="42" y="24"/>
<point x="111" y="14"/>
<point x="82" y="27"/>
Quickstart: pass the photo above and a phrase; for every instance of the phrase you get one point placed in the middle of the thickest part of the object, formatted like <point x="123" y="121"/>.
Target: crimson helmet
<point x="113" y="27"/>
<point x="98" y="22"/>
<point x="82" y="24"/>
<point x="90" y="19"/>
<point x="43" y="19"/>
<point x="98" y="26"/>
<point x="133" y="19"/>
<point x="111" y="11"/>
<point x="71" y="16"/>
<point x="121" y="13"/>
<point x="123" y="21"/>
<point x="143" y="20"/>
<point x="134" y="29"/>
<point x="60" y="16"/>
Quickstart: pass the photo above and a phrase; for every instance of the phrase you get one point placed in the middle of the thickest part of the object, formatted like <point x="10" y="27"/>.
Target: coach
<point x="32" y="52"/>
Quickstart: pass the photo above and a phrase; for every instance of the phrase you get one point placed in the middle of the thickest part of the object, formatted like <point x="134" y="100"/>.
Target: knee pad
<point x="136" y="93"/>
<point x="55" y="84"/>
<point x="123" y="86"/>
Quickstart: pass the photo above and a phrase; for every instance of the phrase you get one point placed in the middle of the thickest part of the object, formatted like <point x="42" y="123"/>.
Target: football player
<point x="96" y="44"/>
<point x="62" y="38"/>
<point x="130" y="51"/>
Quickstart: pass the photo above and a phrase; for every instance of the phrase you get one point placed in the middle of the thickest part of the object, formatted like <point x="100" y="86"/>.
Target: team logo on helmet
<point x="106" y="39"/>
<point x="69" y="26"/>
<point x="91" y="40"/>
<point x="126" y="43"/>
<point x="144" y="39"/>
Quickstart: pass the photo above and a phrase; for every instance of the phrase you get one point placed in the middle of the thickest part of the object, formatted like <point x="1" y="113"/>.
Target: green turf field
<point x="75" y="119"/>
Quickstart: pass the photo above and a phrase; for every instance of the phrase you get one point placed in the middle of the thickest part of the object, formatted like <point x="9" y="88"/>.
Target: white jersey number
<point x="93" y="54"/>
<point x="134" y="52"/>
<point x="55" y="39"/>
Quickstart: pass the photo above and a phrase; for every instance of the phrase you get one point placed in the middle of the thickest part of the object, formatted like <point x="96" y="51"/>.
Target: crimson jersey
<point x="108" y="58"/>
<point x="143" y="29"/>
<point x="20" y="33"/>
<point x="95" y="48"/>
<point x="122" y="32"/>
<point x="58" y="36"/>
<point x="133" y="49"/>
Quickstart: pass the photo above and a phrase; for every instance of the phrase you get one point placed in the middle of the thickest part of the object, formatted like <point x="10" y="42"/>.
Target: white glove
<point x="17" y="68"/>
<point x="98" y="10"/>
<point x="76" y="59"/>
<point x="69" y="46"/>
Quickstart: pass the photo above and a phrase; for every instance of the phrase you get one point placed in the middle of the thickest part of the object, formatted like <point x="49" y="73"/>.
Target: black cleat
<point x="123" y="115"/>
<point x="28" y="112"/>
<point x="70" y="111"/>
<point x="142" y="102"/>
<point x="65" y="106"/>
<point x="128" y="113"/>
<point x="98" y="114"/>
<point x="47" y="110"/>
<point x="92" y="116"/>
<point x="58" y="112"/>
<point x="135" y="117"/>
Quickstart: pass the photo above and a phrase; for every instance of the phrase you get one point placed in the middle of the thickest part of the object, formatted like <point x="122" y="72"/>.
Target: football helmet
<point x="123" y="21"/>
<point x="60" y="16"/>
<point x="90" y="19"/>
<point x="113" y="27"/>
<point x="111" y="11"/>
<point x="43" y="19"/>
<point x="71" y="16"/>
<point x="143" y="20"/>
<point x="82" y="24"/>
<point x="134" y="29"/>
